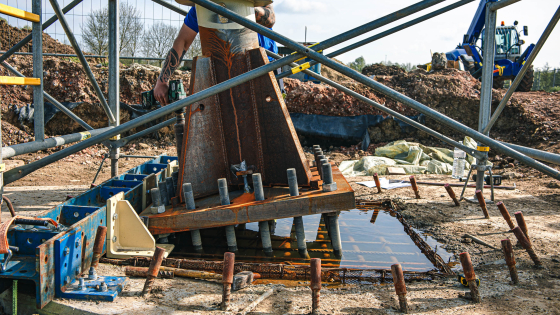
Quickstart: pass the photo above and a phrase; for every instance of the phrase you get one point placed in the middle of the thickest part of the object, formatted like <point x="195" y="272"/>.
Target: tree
<point x="95" y="31"/>
<point x="358" y="64"/>
<point x="130" y="29"/>
<point x="158" y="39"/>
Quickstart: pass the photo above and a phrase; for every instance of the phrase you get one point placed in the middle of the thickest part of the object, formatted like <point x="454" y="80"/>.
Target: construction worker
<point x="264" y="16"/>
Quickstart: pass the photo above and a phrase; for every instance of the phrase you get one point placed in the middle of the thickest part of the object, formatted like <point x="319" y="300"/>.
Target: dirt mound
<point x="381" y="69"/>
<point x="10" y="35"/>
<point x="528" y="117"/>
<point x="66" y="81"/>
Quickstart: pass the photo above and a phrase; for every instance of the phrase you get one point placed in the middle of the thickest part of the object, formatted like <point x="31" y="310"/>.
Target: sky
<point x="327" y="18"/>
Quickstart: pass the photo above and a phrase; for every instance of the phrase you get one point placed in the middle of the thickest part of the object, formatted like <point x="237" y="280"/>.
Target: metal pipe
<point x="34" y="146"/>
<point x="98" y="245"/>
<point x="486" y="89"/>
<point x="501" y="4"/>
<point x="171" y="7"/>
<point x="52" y="100"/>
<point x="265" y="238"/>
<point x="114" y="82"/>
<point x="28" y="38"/>
<point x="38" y="104"/>
<point x="383" y="108"/>
<point x="292" y="182"/>
<point x="521" y="237"/>
<point x="231" y="239"/>
<point x="258" y="187"/>
<point x="138" y="156"/>
<point x="510" y="260"/>
<point x="536" y="154"/>
<point x="376" y="86"/>
<point x="91" y="56"/>
<point x="315" y="284"/>
<point x="470" y="276"/>
<point x="300" y="237"/>
<point x="227" y="279"/>
<point x="400" y="287"/>
<point x="334" y="230"/>
<point x="523" y="70"/>
<point x="87" y="69"/>
<point x="153" y="270"/>
<point x="124" y="141"/>
<point x="385" y="34"/>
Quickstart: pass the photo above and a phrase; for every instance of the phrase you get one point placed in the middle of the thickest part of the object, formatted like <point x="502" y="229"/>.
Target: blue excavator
<point x="508" y="58"/>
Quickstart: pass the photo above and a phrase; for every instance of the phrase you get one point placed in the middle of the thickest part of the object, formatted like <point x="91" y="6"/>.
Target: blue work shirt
<point x="192" y="22"/>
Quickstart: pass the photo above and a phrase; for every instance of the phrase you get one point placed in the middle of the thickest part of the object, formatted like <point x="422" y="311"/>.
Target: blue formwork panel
<point x="55" y="258"/>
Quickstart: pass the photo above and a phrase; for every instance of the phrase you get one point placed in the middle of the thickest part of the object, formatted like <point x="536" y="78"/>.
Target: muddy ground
<point x="536" y="196"/>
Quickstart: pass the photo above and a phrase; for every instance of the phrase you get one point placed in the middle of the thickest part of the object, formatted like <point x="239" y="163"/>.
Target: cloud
<point x="300" y="7"/>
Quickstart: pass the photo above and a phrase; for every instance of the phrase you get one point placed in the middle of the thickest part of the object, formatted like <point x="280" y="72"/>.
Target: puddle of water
<point x="371" y="239"/>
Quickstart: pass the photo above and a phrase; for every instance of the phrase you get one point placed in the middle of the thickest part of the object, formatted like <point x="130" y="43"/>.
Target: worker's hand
<point x="161" y="92"/>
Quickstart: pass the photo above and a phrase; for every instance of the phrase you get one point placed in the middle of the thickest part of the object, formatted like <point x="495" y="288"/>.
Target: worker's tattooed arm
<point x="265" y="16"/>
<point x="172" y="62"/>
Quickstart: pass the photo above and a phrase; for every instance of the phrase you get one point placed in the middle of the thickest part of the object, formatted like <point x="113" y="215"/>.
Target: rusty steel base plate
<point x="278" y="204"/>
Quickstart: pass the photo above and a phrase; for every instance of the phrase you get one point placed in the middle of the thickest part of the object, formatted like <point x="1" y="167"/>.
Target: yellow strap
<point x="2" y="167"/>
<point x="429" y="67"/>
<point x="85" y="135"/>
<point x="115" y="138"/>
<point x="500" y="70"/>
<point x="20" y="14"/>
<point x="523" y="62"/>
<point x="302" y="67"/>
<point x="19" y="81"/>
<point x="483" y="149"/>
<point x="295" y="52"/>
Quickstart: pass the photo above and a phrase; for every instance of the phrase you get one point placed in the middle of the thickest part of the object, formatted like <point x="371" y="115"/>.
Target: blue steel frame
<point x="54" y="260"/>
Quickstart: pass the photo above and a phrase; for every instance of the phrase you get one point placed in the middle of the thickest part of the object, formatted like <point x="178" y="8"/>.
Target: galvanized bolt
<point x="258" y="187"/>
<point x="292" y="182"/>
<point x="82" y="285"/>
<point x="103" y="287"/>
<point x="114" y="239"/>
<point x="189" y="196"/>
<point x="223" y="189"/>
<point x="92" y="274"/>
<point x="326" y="171"/>
<point x="115" y="216"/>
<point x="66" y="251"/>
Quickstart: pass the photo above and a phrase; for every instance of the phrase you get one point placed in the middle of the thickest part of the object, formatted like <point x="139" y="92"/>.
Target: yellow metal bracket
<point x="115" y="138"/>
<point x="2" y="167"/>
<point x="19" y="81"/>
<point x="85" y="135"/>
<point x="20" y="14"/>
<point x="302" y="67"/>
<point x="483" y="149"/>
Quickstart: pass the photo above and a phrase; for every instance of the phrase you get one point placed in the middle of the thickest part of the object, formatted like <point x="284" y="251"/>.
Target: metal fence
<point x="148" y="14"/>
<point x="547" y="79"/>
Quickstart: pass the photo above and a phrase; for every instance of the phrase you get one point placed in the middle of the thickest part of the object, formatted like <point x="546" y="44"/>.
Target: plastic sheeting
<point x="25" y="113"/>
<point x="346" y="128"/>
<point x="414" y="158"/>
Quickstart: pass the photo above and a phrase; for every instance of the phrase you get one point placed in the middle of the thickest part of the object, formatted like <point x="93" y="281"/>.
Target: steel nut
<point x="159" y="209"/>
<point x="329" y="187"/>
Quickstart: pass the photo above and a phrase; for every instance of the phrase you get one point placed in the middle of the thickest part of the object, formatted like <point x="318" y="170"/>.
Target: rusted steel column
<point x="414" y="186"/>
<point x="452" y="194"/>
<point x="315" y="284"/>
<point x="521" y="223"/>
<point x="505" y="214"/>
<point x="470" y="276"/>
<point x="153" y="270"/>
<point x="510" y="260"/>
<point x="482" y="203"/>
<point x="527" y="245"/>
<point x="377" y="183"/>
<point x="400" y="287"/>
<point x="98" y="245"/>
<point x="142" y="272"/>
<point x="227" y="279"/>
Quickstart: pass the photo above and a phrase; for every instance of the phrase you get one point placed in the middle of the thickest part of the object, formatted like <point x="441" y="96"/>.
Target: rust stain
<point x="223" y="51"/>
